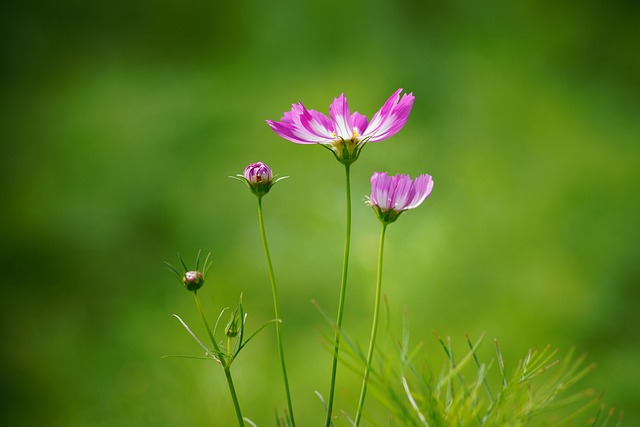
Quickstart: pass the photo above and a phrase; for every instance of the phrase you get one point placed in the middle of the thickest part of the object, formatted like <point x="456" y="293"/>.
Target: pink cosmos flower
<point x="392" y="195"/>
<point x="343" y="132"/>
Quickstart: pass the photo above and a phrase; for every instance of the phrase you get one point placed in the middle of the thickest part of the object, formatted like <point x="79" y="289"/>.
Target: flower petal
<point x="423" y="186"/>
<point x="380" y="186"/>
<point x="341" y="117"/>
<point x="390" y="118"/>
<point x="303" y="126"/>
<point x="359" y="123"/>
<point x="286" y="131"/>
<point x="322" y="122"/>
<point x="403" y="192"/>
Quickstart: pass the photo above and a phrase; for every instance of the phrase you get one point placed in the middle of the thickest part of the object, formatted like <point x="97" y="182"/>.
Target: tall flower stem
<point x="343" y="288"/>
<point x="276" y="311"/>
<point x="225" y="362"/>
<point x="374" y="327"/>
<point x="234" y="396"/>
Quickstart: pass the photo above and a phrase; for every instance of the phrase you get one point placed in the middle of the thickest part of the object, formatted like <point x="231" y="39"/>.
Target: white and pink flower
<point x="343" y="132"/>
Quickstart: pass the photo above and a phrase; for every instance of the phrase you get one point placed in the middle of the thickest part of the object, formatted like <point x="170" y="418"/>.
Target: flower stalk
<point x="276" y="311"/>
<point x="343" y="290"/>
<point x="234" y="397"/>
<point x="374" y="327"/>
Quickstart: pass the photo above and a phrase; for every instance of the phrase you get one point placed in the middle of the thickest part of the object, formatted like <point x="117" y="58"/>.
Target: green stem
<point x="216" y="348"/>
<point x="343" y="288"/>
<point x="276" y="311"/>
<point x="374" y="327"/>
<point x="226" y="363"/>
<point x="234" y="397"/>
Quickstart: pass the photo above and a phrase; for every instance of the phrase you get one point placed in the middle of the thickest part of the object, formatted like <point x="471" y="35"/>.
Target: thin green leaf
<point x="182" y="262"/>
<point x="207" y="351"/>
<point x="256" y="332"/>
<point x="180" y="356"/>
<point x="174" y="271"/>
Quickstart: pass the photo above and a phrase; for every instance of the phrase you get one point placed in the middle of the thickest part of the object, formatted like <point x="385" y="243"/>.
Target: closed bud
<point x="193" y="280"/>
<point x="231" y="330"/>
<point x="258" y="173"/>
<point x="258" y="178"/>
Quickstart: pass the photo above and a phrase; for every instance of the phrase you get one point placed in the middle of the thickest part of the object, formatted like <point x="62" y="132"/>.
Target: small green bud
<point x="193" y="280"/>
<point x="231" y="330"/>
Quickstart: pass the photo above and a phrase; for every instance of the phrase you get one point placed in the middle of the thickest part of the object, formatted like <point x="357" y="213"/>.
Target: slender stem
<point x="276" y="311"/>
<point x="374" y="327"/>
<point x="343" y="288"/>
<point x="216" y="348"/>
<point x="232" y="390"/>
<point x="226" y="363"/>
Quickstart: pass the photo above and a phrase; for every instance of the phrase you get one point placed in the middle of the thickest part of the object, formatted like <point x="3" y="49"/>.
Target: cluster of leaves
<point x="538" y="391"/>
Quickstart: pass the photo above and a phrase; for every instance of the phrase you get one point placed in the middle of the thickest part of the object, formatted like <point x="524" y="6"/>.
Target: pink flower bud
<point x="258" y="178"/>
<point x="258" y="173"/>
<point x="193" y="280"/>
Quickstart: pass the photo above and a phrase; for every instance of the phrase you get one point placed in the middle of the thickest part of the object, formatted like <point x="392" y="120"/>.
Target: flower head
<point x="258" y="173"/>
<point x="192" y="280"/>
<point x="258" y="178"/>
<point x="392" y="195"/>
<point x="343" y="132"/>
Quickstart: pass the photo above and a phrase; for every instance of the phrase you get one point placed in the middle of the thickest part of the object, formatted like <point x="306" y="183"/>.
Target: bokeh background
<point x="121" y="121"/>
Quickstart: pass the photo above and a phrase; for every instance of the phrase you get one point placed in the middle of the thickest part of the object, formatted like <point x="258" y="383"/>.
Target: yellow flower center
<point x="353" y="138"/>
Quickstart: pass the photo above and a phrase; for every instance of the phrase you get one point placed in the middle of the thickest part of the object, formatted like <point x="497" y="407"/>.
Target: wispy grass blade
<point x="463" y="362"/>
<point x="413" y="403"/>
<point x="480" y="368"/>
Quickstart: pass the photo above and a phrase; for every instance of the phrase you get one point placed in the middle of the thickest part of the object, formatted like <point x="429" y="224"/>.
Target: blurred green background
<point x="122" y="120"/>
